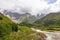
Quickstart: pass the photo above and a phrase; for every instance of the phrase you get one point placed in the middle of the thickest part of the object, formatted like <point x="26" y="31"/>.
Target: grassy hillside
<point x="5" y="19"/>
<point x="24" y="33"/>
<point x="6" y="26"/>
<point x="11" y="31"/>
<point x="27" y="19"/>
<point x="51" y="20"/>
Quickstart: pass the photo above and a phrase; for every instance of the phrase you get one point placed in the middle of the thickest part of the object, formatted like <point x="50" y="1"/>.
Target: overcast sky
<point x="32" y="6"/>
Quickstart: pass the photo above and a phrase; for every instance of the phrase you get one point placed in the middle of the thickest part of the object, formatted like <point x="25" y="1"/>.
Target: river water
<point x="50" y="35"/>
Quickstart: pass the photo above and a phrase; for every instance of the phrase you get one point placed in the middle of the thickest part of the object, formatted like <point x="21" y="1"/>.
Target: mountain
<point x="11" y="31"/>
<point x="23" y="18"/>
<point x="12" y="15"/>
<point x="39" y="16"/>
<point x="27" y="18"/>
<point x="52" y="19"/>
<point x="19" y="17"/>
<point x="6" y="25"/>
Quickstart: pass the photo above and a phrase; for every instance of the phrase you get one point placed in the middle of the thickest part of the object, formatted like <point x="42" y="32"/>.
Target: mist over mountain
<point x="32" y="6"/>
<point x="29" y="19"/>
<point x="20" y="17"/>
<point x="39" y="16"/>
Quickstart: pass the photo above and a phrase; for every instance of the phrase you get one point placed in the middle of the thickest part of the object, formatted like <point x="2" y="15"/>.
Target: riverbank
<point x="50" y="35"/>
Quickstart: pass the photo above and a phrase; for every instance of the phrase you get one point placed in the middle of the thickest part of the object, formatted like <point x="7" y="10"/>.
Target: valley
<point x="46" y="28"/>
<point x="29" y="19"/>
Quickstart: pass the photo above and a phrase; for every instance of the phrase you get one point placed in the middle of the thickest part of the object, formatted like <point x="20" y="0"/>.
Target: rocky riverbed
<point x="50" y="35"/>
<point x="53" y="35"/>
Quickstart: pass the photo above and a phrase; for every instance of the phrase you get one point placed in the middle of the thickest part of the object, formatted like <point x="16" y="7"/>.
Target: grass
<point x="11" y="31"/>
<point x="24" y="33"/>
<point x="50" y="29"/>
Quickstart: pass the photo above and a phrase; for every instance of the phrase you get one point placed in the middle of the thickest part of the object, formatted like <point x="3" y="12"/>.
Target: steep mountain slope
<point x="19" y="17"/>
<point x="6" y="25"/>
<point x="52" y="19"/>
<point x="41" y="15"/>
<point x="4" y="19"/>
<point x="9" y="31"/>
<point x="27" y="18"/>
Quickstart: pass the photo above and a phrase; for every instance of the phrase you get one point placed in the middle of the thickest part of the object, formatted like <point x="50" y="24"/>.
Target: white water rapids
<point x="50" y="35"/>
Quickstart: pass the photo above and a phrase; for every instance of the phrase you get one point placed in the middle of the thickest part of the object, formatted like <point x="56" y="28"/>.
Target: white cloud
<point x="55" y="7"/>
<point x="35" y="6"/>
<point x="5" y="4"/>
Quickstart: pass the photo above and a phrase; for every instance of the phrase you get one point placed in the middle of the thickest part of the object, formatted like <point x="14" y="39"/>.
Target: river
<point x="50" y="35"/>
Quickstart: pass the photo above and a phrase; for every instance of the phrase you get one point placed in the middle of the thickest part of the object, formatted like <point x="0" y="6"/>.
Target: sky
<point x="32" y="6"/>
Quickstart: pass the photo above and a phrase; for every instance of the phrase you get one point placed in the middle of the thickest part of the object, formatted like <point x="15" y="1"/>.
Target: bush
<point x="0" y="18"/>
<point x="14" y="27"/>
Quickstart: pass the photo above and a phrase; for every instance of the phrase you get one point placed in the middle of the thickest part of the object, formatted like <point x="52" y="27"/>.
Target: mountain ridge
<point x="50" y="19"/>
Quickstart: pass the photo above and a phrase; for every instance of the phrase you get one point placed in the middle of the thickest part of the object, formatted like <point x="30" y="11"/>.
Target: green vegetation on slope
<point x="27" y="19"/>
<point x="49" y="22"/>
<point x="24" y="33"/>
<point x="11" y="31"/>
<point x="6" y="26"/>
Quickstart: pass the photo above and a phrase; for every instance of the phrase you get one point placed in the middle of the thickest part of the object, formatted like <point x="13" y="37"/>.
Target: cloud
<point x="51" y="1"/>
<point x="5" y="4"/>
<point x="55" y="7"/>
<point x="34" y="6"/>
